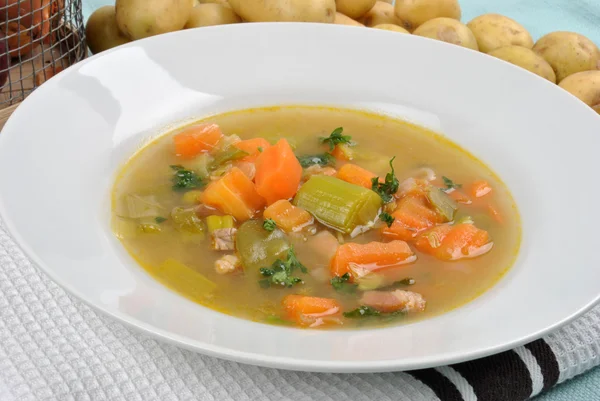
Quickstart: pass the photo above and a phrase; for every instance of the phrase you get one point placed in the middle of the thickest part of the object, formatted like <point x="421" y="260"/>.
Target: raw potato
<point x="448" y="30"/>
<point x="354" y="8"/>
<point x="568" y="53"/>
<point x="417" y="12"/>
<point x="221" y="2"/>
<point x="494" y="31"/>
<point x="381" y="13"/>
<point x="139" y="19"/>
<point x="527" y="59"/>
<point x="285" y="10"/>
<point x="211" y="14"/>
<point x="391" y="27"/>
<point x="341" y="19"/>
<point x="586" y="86"/>
<point x="101" y="31"/>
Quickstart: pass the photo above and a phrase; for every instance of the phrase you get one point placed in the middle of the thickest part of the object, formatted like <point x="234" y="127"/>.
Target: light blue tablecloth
<point x="539" y="17"/>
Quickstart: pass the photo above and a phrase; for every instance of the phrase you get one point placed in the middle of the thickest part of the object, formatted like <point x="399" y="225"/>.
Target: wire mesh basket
<point x="38" y="39"/>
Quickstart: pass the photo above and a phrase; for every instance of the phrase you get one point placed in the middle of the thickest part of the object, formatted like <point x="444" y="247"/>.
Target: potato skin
<point x="138" y="19"/>
<point x="448" y="30"/>
<point x="341" y="19"/>
<point x="211" y="14"/>
<point x="354" y="8"/>
<point x="285" y="10"/>
<point x="584" y="85"/>
<point x="527" y="59"/>
<point x="101" y="31"/>
<point x="494" y="31"/>
<point x="416" y="12"/>
<point x="381" y="13"/>
<point x="391" y="27"/>
<point x="568" y="53"/>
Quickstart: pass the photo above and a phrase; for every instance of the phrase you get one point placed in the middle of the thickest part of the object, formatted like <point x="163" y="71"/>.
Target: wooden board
<point x="5" y="114"/>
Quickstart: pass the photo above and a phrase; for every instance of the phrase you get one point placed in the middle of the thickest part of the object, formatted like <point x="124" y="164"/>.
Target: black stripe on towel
<point x="498" y="377"/>
<point x="441" y="386"/>
<point x="547" y="361"/>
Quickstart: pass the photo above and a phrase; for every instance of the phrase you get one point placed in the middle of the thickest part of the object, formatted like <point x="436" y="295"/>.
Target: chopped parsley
<point x="389" y="187"/>
<point x="336" y="138"/>
<point x="260" y="149"/>
<point x="341" y="284"/>
<point x="185" y="179"/>
<point x="450" y="184"/>
<point x="362" y="311"/>
<point x="269" y="225"/>
<point x="387" y="218"/>
<point x="160" y="219"/>
<point x="280" y="272"/>
<point x="324" y="159"/>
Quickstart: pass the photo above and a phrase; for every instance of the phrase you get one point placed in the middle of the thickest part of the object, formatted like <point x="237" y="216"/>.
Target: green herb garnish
<point x="389" y="187"/>
<point x="324" y="159"/>
<point x="280" y="272"/>
<point x="274" y="319"/>
<point x="160" y="219"/>
<point x="336" y="138"/>
<point x="341" y="284"/>
<point x="387" y="218"/>
<point x="269" y="225"/>
<point x="185" y="179"/>
<point x="362" y="311"/>
<point x="450" y="184"/>
<point x="260" y="149"/>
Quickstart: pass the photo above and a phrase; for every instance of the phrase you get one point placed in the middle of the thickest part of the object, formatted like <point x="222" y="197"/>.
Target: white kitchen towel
<point x="52" y="347"/>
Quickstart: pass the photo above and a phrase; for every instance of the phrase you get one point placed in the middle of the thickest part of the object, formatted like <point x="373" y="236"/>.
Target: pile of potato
<point x="566" y="58"/>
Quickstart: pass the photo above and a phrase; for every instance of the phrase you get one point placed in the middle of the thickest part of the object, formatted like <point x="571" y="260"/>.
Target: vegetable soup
<point x="316" y="217"/>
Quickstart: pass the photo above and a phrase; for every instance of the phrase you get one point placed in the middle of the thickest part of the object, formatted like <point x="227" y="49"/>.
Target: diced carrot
<point x="287" y="216"/>
<point x="372" y="256"/>
<point x="253" y="147"/>
<point x="234" y="194"/>
<point x="278" y="172"/>
<point x="197" y="139"/>
<point x="310" y="311"/>
<point x="454" y="242"/>
<point x="480" y="188"/>
<point x="343" y="152"/>
<point x="356" y="175"/>
<point x="413" y="215"/>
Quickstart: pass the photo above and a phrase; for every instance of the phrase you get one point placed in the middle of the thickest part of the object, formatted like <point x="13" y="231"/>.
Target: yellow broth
<point x="444" y="284"/>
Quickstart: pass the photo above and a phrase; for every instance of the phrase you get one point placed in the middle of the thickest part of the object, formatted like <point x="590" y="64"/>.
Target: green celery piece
<point x="258" y="247"/>
<point x="216" y="222"/>
<point x="338" y="204"/>
<point x="442" y="202"/>
<point x="183" y="279"/>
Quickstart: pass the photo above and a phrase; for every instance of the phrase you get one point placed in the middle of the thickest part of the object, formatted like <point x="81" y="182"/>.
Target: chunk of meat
<point x="318" y="170"/>
<point x="227" y="264"/>
<point x="394" y="301"/>
<point x="223" y="239"/>
<point x="453" y="242"/>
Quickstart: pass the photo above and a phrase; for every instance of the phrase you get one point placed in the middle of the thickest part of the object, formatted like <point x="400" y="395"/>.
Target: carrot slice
<point x="278" y="172"/>
<point x="253" y="147"/>
<point x="454" y="242"/>
<point x="372" y="256"/>
<point x="343" y="152"/>
<point x="234" y="194"/>
<point x="480" y="188"/>
<point x="413" y="215"/>
<point x="197" y="139"/>
<point x="309" y="311"/>
<point x="356" y="175"/>
<point x="287" y="216"/>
